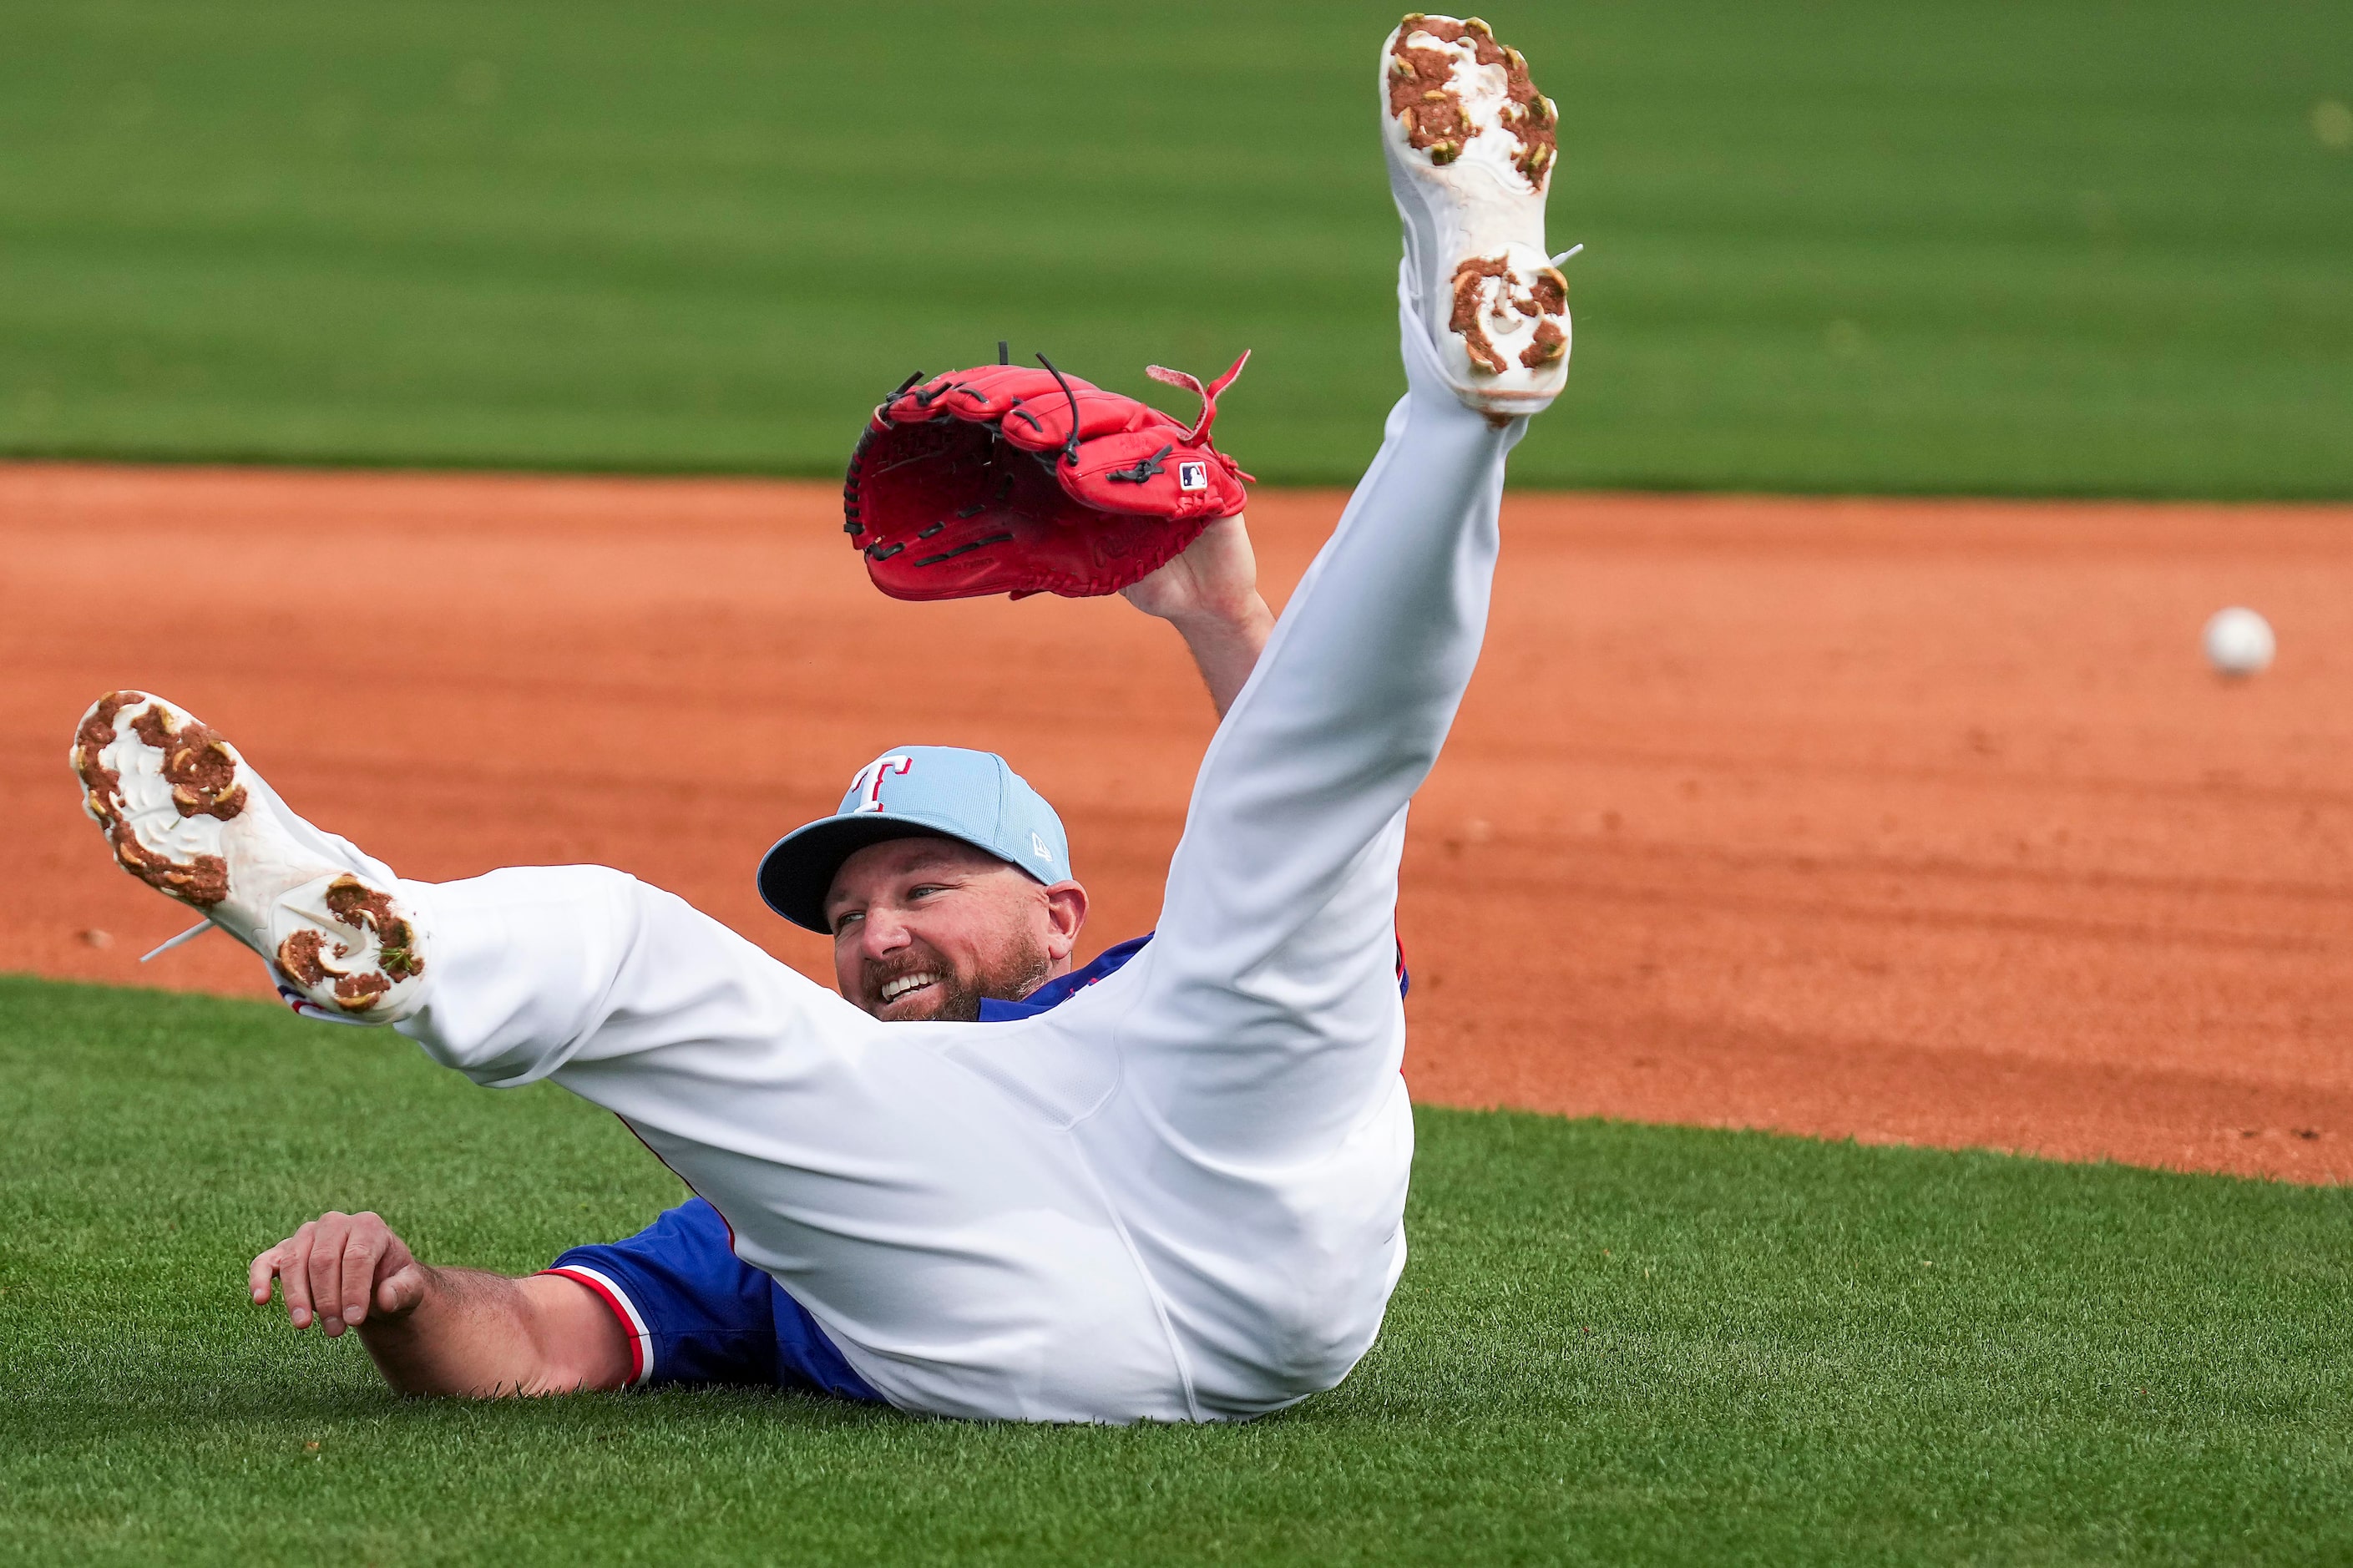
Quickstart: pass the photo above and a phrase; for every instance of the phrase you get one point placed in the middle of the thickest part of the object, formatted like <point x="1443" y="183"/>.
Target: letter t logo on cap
<point x="868" y="784"/>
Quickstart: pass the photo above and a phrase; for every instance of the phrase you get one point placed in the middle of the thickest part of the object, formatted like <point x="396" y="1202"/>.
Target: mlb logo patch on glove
<point x="1004" y="480"/>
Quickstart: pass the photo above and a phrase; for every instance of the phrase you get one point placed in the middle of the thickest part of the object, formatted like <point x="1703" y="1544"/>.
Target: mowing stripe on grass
<point x="2065" y="248"/>
<point x="1614" y="1344"/>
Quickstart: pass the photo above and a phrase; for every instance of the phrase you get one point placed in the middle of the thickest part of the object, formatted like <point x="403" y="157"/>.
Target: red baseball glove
<point x="1005" y="480"/>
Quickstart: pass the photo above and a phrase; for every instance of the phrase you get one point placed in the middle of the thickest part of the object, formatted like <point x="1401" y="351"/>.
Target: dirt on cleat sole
<point x="173" y="798"/>
<point x="355" y="977"/>
<point x="198" y="772"/>
<point x="1472" y="144"/>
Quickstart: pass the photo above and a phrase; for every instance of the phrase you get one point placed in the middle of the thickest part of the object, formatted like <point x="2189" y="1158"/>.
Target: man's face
<point x="925" y="927"/>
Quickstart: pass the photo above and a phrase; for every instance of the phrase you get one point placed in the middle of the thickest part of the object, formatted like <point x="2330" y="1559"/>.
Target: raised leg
<point x="1274" y="1014"/>
<point x="1259" y="1141"/>
<point x="1273" y="977"/>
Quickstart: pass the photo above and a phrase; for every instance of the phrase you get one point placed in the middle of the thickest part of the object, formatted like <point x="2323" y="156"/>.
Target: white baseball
<point x="2239" y="642"/>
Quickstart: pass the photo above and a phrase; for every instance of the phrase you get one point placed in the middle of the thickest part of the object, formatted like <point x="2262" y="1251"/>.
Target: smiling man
<point x="975" y="1181"/>
<point x="937" y="928"/>
<point x="944" y="879"/>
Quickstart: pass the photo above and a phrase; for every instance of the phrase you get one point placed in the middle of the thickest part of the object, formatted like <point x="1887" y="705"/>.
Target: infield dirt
<point x="1910" y="821"/>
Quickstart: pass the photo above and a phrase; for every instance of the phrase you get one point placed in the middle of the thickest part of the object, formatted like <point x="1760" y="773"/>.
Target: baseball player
<point x="978" y="1181"/>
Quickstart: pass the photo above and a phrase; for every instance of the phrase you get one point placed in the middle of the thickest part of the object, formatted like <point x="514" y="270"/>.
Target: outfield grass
<point x="2065" y="247"/>
<point x="1614" y="1344"/>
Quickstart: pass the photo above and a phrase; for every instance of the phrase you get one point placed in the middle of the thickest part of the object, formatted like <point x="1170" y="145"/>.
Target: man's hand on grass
<point x="337" y="1269"/>
<point x="443" y="1331"/>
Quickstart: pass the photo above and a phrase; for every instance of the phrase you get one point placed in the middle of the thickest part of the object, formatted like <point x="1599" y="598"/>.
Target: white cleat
<point x="1471" y="145"/>
<point x="188" y="817"/>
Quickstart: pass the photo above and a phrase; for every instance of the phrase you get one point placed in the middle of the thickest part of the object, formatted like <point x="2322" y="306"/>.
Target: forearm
<point x="1209" y="593"/>
<point x="1225" y="648"/>
<point x="478" y="1335"/>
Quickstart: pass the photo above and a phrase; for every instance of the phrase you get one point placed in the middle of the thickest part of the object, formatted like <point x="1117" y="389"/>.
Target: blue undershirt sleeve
<point x="695" y="1313"/>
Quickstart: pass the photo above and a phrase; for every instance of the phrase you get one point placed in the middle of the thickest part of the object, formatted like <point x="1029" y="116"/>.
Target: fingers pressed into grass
<point x="261" y="1274"/>
<point x="362" y="1249"/>
<point x="351" y="1277"/>
<point x="327" y="1271"/>
<point x="337" y="1272"/>
<point x="294" y="1274"/>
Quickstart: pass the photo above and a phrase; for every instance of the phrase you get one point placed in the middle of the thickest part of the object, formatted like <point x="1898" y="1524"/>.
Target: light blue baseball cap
<point x="916" y="791"/>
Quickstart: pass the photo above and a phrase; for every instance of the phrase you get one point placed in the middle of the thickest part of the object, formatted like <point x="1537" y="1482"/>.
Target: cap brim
<point x="797" y="871"/>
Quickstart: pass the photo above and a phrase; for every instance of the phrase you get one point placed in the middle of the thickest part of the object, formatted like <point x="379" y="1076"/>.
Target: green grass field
<point x="1614" y="1345"/>
<point x="2069" y="246"/>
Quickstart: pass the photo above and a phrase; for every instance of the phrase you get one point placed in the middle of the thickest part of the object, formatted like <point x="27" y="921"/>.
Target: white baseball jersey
<point x="1177" y="1196"/>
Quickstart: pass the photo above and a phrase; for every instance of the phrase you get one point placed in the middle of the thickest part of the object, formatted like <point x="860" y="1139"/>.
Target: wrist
<point x="1246" y="616"/>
